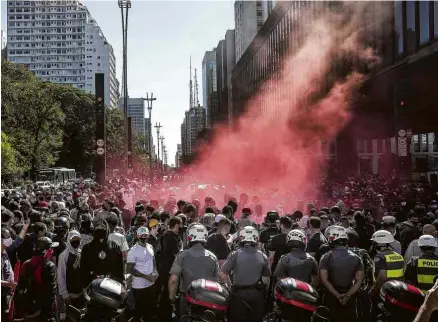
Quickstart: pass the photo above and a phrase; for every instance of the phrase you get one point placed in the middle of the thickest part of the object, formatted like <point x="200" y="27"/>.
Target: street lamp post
<point x="150" y="101"/>
<point x="124" y="6"/>
<point x="162" y="152"/>
<point x="158" y="126"/>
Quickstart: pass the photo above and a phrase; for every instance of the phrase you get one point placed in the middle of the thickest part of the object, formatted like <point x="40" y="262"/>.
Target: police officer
<point x="421" y="271"/>
<point x="297" y="264"/>
<point x="248" y="265"/>
<point x="271" y="230"/>
<point x="341" y="273"/>
<point x="194" y="263"/>
<point x="388" y="264"/>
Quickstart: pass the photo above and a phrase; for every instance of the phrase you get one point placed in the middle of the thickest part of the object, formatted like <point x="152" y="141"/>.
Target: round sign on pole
<point x="100" y="142"/>
<point x="401" y="133"/>
<point x="100" y="151"/>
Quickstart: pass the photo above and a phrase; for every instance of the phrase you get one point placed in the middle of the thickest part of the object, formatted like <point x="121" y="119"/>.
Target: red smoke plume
<point x="275" y="153"/>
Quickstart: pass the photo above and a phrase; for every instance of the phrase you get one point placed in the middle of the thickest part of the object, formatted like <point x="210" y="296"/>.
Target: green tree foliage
<point x="46" y="124"/>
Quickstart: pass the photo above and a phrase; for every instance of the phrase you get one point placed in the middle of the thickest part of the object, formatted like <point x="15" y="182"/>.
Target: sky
<point x="161" y="37"/>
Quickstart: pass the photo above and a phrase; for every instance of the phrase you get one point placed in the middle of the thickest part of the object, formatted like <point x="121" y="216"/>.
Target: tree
<point x="10" y="166"/>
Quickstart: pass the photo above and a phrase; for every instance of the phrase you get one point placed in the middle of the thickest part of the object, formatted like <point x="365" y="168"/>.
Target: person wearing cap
<point x="244" y="218"/>
<point x="153" y="226"/>
<point x="37" y="285"/>
<point x="141" y="265"/>
<point x="414" y="249"/>
<point x="388" y="223"/>
<point x="266" y="235"/>
<point x="421" y="271"/>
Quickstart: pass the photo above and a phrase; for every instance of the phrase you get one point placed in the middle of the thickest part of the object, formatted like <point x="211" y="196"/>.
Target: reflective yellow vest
<point x="394" y="265"/>
<point x="427" y="269"/>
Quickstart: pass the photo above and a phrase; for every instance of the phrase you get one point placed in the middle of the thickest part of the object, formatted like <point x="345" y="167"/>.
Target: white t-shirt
<point x="120" y="240"/>
<point x="143" y="260"/>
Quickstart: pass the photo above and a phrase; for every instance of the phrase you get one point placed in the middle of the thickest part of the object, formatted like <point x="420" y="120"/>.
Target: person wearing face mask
<point x="388" y="223"/>
<point x="61" y="228"/>
<point x="69" y="273"/>
<point x="141" y="265"/>
<point x="37" y="285"/>
<point x="101" y="257"/>
<point x="7" y="273"/>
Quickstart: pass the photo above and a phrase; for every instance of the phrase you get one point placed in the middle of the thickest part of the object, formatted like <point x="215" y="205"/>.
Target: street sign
<point x="100" y="151"/>
<point x="402" y="133"/>
<point x="402" y="147"/>
<point x="409" y="133"/>
<point x="100" y="142"/>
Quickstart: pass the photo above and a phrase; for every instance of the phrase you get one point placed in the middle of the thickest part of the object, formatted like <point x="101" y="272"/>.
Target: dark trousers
<point x="364" y="306"/>
<point x="164" y="306"/>
<point x="145" y="303"/>
<point x="239" y="312"/>
<point x="339" y="312"/>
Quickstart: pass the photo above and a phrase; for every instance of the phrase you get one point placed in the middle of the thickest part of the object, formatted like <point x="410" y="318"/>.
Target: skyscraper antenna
<point x="196" y="90"/>
<point x="190" y="84"/>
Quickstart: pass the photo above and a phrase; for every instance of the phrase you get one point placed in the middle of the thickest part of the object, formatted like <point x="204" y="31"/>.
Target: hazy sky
<point x="161" y="37"/>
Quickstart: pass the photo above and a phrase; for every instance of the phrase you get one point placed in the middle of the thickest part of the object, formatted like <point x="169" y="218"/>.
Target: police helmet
<point x="336" y="233"/>
<point x="197" y="233"/>
<point x="382" y="237"/>
<point x="427" y="241"/>
<point x="62" y="223"/>
<point x="401" y="301"/>
<point x="296" y="238"/>
<point x="249" y="234"/>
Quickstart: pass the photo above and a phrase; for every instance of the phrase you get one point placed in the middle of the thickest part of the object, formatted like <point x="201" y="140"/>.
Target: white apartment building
<point x="249" y="16"/>
<point x="60" y="42"/>
<point x="136" y="110"/>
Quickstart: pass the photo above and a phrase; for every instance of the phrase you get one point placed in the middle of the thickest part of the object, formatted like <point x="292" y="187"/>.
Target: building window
<point x="411" y="34"/>
<point x="424" y="22"/>
<point x="398" y="18"/>
<point x="435" y="18"/>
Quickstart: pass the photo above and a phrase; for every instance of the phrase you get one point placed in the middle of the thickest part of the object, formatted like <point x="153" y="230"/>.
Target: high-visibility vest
<point x="394" y="265"/>
<point x="427" y="269"/>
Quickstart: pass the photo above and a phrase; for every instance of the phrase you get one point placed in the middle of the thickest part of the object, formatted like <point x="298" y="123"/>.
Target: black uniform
<point x="268" y="234"/>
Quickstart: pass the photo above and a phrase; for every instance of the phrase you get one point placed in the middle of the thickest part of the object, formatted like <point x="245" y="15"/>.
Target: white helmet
<point x="427" y="241"/>
<point x="296" y="236"/>
<point x="197" y="233"/>
<point x="382" y="237"/>
<point x="249" y="234"/>
<point x="334" y="233"/>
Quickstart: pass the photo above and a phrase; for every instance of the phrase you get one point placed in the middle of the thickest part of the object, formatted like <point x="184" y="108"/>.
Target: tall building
<point x="225" y="62"/>
<point x="399" y="97"/>
<point x="249" y="17"/>
<point x="209" y="85"/>
<point x="60" y="42"/>
<point x="4" y="47"/>
<point x="178" y="156"/>
<point x="136" y="110"/>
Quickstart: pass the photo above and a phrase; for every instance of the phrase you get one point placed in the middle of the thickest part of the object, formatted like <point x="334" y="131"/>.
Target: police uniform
<point x="390" y="261"/>
<point x="341" y="265"/>
<point x="421" y="271"/>
<point x="297" y="264"/>
<point x="192" y="264"/>
<point x="248" y="265"/>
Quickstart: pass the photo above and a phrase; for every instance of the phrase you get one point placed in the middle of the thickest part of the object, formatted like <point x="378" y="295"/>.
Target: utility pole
<point x="158" y="126"/>
<point x="149" y="101"/>
<point x="162" y="150"/>
<point x="124" y="6"/>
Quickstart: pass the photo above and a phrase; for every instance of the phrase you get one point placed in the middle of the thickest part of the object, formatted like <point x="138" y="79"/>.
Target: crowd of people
<point x="366" y="250"/>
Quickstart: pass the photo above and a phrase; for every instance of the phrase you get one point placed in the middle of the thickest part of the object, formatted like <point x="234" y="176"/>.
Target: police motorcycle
<point x="294" y="301"/>
<point x="105" y="302"/>
<point x="207" y="301"/>
<point x="398" y="302"/>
